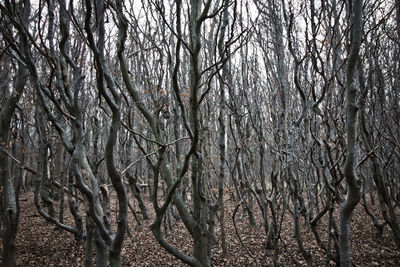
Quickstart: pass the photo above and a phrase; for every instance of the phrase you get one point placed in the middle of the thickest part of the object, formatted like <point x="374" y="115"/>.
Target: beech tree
<point x="202" y="115"/>
<point x="9" y="201"/>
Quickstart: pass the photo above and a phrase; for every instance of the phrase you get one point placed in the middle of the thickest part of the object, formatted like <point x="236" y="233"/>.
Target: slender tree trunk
<point x="89" y="244"/>
<point x="58" y="168"/>
<point x="353" y="192"/>
<point x="62" y="186"/>
<point x="137" y="194"/>
<point x="10" y="195"/>
<point x="200" y="206"/>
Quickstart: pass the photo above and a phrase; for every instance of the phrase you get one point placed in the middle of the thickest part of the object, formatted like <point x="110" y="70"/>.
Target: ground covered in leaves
<point x="39" y="243"/>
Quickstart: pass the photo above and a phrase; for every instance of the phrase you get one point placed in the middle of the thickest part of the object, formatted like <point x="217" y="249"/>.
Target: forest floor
<point x="39" y="243"/>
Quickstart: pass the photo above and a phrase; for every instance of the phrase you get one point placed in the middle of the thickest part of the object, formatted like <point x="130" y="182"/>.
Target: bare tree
<point x="353" y="192"/>
<point x="10" y="196"/>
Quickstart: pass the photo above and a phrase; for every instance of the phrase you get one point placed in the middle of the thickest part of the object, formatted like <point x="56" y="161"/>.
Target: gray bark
<point x="113" y="99"/>
<point x="353" y="194"/>
<point x="137" y="194"/>
<point x="10" y="211"/>
<point x="10" y="195"/>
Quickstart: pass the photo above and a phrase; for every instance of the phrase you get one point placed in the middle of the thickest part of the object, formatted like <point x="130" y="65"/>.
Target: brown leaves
<point x="40" y="244"/>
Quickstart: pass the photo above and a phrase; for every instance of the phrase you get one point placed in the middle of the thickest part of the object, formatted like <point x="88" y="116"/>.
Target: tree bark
<point x="10" y="195"/>
<point x="353" y="192"/>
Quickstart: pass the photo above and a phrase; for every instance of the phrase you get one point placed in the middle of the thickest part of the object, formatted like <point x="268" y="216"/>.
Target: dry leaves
<point x="40" y="244"/>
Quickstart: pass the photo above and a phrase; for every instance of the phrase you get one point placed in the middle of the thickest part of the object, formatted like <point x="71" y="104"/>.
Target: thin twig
<point x="154" y="152"/>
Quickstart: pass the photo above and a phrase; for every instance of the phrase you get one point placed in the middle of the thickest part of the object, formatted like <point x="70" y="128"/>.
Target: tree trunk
<point x="353" y="192"/>
<point x="137" y="194"/>
<point x="10" y="195"/>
